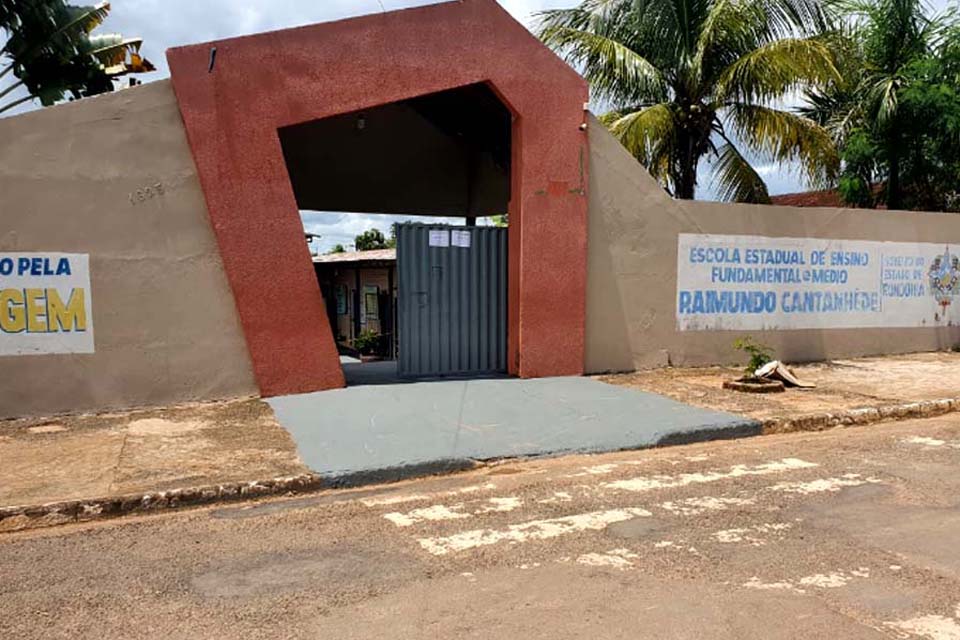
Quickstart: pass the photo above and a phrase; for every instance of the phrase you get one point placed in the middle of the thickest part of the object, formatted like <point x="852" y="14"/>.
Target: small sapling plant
<point x="760" y="354"/>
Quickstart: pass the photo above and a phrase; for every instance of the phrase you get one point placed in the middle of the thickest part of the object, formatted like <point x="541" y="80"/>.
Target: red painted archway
<point x="263" y="82"/>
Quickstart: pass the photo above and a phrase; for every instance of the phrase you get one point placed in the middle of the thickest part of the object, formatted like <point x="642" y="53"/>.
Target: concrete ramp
<point x="375" y="433"/>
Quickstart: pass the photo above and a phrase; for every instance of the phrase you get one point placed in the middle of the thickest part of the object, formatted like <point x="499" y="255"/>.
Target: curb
<point x="867" y="415"/>
<point x="20" y="518"/>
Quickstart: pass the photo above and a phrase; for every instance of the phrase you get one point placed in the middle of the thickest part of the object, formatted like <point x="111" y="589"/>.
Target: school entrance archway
<point x="236" y="94"/>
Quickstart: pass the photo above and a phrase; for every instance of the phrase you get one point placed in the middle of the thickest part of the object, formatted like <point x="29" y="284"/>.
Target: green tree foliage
<point x="688" y="78"/>
<point x="337" y="248"/>
<point x="370" y="239"/>
<point x="860" y="167"/>
<point x="392" y="241"/>
<point x="51" y="51"/>
<point x="895" y="112"/>
<point x="368" y="342"/>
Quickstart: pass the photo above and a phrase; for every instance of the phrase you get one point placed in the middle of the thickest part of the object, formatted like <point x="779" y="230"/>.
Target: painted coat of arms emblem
<point x="944" y="276"/>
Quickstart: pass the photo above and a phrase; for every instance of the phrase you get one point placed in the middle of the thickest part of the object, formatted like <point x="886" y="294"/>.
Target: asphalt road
<point x="852" y="533"/>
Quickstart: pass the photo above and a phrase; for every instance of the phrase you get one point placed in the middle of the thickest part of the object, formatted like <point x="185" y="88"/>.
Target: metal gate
<point x="452" y="293"/>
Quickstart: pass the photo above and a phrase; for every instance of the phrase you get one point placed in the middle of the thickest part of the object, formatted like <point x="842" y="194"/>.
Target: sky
<point x="167" y="23"/>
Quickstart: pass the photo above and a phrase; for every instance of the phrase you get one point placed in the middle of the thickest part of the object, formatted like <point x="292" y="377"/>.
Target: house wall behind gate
<point x="632" y="270"/>
<point x="347" y="277"/>
<point x="165" y="325"/>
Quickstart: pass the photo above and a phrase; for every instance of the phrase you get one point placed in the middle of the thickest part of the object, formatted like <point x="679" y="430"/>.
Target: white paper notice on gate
<point x="439" y="238"/>
<point x="460" y="239"/>
<point x="727" y="282"/>
<point x="45" y="304"/>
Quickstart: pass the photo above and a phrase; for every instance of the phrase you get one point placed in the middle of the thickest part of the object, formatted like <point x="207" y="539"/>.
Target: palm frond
<point x="848" y="9"/>
<point x="607" y="119"/>
<point x="781" y="136"/>
<point x="835" y="109"/>
<point x="882" y="98"/>
<point x="649" y="135"/>
<point x="791" y="17"/>
<point x="732" y="29"/>
<point x="614" y="71"/>
<point x="112" y="48"/>
<point x="735" y="180"/>
<point x="652" y="29"/>
<point x="88" y="18"/>
<point x="775" y="68"/>
<point x="689" y="16"/>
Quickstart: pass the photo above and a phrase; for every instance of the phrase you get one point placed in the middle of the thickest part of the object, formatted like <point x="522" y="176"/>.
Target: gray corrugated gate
<point x="452" y="292"/>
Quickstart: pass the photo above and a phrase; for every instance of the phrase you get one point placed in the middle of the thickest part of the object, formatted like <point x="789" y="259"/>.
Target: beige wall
<point x="165" y="326"/>
<point x="631" y="284"/>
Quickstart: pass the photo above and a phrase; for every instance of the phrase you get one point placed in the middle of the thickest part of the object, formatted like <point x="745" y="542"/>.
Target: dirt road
<point x="852" y="533"/>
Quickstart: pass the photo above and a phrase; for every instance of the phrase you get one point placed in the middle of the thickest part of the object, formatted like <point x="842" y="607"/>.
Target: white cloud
<point x="341" y="228"/>
<point x="523" y="10"/>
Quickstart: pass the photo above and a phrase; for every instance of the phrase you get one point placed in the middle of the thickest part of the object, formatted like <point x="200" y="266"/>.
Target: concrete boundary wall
<point x="74" y="179"/>
<point x="632" y="270"/>
<point x="112" y="179"/>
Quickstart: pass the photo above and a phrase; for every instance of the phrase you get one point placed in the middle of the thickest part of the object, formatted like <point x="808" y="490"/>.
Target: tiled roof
<point x="358" y="256"/>
<point x="828" y="198"/>
<point x="825" y="198"/>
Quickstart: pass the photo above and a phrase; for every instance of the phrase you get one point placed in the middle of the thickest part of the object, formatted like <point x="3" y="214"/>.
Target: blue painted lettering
<point x="733" y="302"/>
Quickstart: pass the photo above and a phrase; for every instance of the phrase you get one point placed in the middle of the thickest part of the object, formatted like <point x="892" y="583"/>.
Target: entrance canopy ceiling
<point x="444" y="154"/>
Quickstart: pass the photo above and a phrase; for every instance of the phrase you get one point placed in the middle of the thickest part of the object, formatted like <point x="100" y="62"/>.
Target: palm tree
<point x="52" y="51"/>
<point x="879" y="40"/>
<point x="687" y="78"/>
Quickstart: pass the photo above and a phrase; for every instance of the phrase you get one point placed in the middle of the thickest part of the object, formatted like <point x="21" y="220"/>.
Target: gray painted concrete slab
<point x="372" y="433"/>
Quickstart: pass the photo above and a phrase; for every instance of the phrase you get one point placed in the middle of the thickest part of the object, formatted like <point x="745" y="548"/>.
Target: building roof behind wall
<point x="825" y="198"/>
<point x="375" y="255"/>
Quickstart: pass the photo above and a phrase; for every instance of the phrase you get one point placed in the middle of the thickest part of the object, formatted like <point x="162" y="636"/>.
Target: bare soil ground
<point x="841" y="385"/>
<point x="87" y="456"/>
